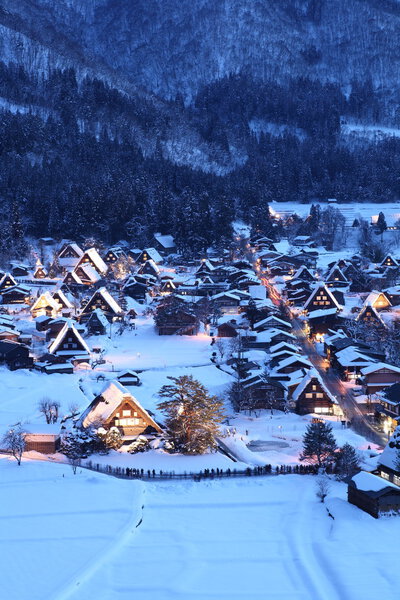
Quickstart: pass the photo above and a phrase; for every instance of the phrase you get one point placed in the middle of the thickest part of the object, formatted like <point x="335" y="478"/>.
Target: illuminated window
<point x="126" y="413"/>
<point x="321" y="410"/>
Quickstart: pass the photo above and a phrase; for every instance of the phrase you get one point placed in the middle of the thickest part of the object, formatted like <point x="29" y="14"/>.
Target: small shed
<point x="373" y="494"/>
<point x="129" y="377"/>
<point x="42" y="438"/>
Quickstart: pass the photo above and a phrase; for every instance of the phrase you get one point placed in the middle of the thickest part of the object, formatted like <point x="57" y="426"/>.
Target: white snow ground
<point x="247" y="538"/>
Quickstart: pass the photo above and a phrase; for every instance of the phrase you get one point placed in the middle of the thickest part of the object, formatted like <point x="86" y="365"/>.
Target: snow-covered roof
<point x="339" y="270"/>
<point x="108" y="402"/>
<point x="74" y="247"/>
<point x="368" y="482"/>
<point x="321" y="312"/>
<point x="301" y="271"/>
<point x="269" y="334"/>
<point x="95" y="257"/>
<point x="277" y="355"/>
<point x="90" y="272"/>
<point x="74" y="276"/>
<point x="46" y="299"/>
<point x="283" y="346"/>
<point x="257" y="292"/>
<point x="69" y="326"/>
<point x="233" y="296"/>
<point x="7" y="276"/>
<point x="377" y="366"/>
<point x="371" y="308"/>
<point x="312" y="374"/>
<point x="374" y="296"/>
<point x="166" y="241"/>
<point x="286" y="362"/>
<point x="389" y="456"/>
<point x="395" y="262"/>
<point x="153" y="265"/>
<point x="101" y="317"/>
<point x="316" y="290"/>
<point x="291" y="379"/>
<point x="108" y="299"/>
<point x="64" y="299"/>
<point x="206" y="263"/>
<point x="20" y="287"/>
<point x="350" y="356"/>
<point x="335" y="335"/>
<point x="154" y="255"/>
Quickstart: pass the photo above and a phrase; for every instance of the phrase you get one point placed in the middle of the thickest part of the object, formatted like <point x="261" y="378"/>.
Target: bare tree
<point x="14" y="442"/>
<point x="73" y="409"/>
<point x="221" y="348"/>
<point x="323" y="485"/>
<point x="50" y="409"/>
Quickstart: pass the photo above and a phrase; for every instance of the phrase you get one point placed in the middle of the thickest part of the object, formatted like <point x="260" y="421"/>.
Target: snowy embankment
<point x="257" y="538"/>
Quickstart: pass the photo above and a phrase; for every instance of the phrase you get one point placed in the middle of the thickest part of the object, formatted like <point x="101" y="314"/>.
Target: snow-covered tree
<point x="323" y="485"/>
<point x="319" y="444"/>
<point x="14" y="442"/>
<point x="113" y="439"/>
<point x="71" y="446"/>
<point x="331" y="225"/>
<point x="141" y="444"/>
<point x="347" y="462"/>
<point x="193" y="416"/>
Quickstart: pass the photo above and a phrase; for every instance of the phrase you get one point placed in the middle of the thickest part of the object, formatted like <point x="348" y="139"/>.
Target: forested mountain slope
<point x="117" y="115"/>
<point x="176" y="46"/>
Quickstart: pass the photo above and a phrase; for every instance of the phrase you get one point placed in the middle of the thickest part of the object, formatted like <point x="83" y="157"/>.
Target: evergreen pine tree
<point x="319" y="444"/>
<point x="192" y="415"/>
<point x="347" y="463"/>
<point x="381" y="224"/>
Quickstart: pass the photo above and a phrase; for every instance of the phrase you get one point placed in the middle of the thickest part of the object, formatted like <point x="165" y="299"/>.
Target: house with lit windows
<point x="93" y="258"/>
<point x="116" y="407"/>
<point x="321" y="298"/>
<point x="69" y="344"/>
<point x="103" y="300"/>
<point x="312" y="396"/>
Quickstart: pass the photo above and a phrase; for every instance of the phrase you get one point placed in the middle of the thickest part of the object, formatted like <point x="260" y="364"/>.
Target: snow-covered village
<point x="199" y="299"/>
<point x="156" y="409"/>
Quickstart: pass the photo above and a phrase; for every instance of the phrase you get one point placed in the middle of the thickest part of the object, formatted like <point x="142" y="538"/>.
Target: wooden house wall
<point x="305" y="405"/>
<point x="133" y="424"/>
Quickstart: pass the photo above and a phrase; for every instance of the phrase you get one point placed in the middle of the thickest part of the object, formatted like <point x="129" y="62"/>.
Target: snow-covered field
<point x="350" y="211"/>
<point x="57" y="528"/>
<point x="87" y="536"/>
<point x="145" y="349"/>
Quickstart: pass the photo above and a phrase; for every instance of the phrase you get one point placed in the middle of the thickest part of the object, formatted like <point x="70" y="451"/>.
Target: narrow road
<point x="351" y="409"/>
<point x="348" y="404"/>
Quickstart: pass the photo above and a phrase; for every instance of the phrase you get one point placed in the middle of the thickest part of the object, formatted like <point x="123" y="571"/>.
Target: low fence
<point x="159" y="475"/>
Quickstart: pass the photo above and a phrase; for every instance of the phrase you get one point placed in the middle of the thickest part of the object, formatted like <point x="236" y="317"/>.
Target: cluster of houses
<point x="255" y="311"/>
<point x="333" y="304"/>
